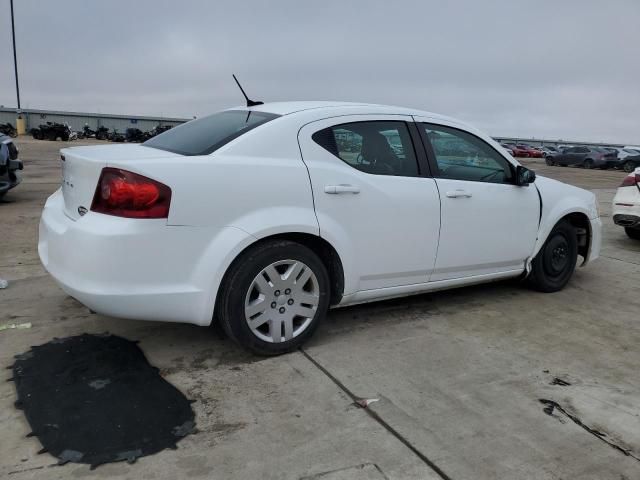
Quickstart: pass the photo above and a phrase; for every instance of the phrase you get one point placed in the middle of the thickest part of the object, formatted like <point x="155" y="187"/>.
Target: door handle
<point x="337" y="189"/>
<point x="459" y="194"/>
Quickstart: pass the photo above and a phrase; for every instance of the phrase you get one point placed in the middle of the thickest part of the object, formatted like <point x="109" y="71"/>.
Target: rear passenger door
<point x="374" y="199"/>
<point x="489" y="225"/>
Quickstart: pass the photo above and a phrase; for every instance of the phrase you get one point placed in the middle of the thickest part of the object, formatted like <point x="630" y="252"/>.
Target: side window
<point x="583" y="150"/>
<point x="463" y="156"/>
<point x="376" y="147"/>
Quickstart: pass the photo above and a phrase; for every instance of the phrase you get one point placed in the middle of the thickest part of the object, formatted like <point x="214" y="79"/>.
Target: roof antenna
<point x="250" y="103"/>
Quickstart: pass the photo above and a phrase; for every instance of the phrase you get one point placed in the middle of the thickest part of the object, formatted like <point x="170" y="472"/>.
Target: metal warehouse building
<point x="77" y="120"/>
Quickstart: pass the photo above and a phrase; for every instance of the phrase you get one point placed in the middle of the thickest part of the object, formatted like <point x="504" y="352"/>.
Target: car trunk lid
<point x="81" y="168"/>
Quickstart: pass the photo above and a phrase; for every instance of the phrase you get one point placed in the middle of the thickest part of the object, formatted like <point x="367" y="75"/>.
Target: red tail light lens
<point x="126" y="194"/>
<point x="631" y="180"/>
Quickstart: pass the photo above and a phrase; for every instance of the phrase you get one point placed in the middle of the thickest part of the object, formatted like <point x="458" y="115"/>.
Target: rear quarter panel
<point x="257" y="183"/>
<point x="253" y="187"/>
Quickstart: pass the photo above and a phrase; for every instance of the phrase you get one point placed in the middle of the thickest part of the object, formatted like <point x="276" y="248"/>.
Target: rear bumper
<point x="627" y="221"/>
<point x="137" y="269"/>
<point x="626" y="207"/>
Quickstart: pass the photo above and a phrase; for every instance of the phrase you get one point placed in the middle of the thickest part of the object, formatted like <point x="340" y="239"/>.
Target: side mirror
<point x="524" y="176"/>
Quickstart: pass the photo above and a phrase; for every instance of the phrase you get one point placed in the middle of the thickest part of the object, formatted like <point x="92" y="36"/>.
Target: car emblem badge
<point x="82" y="211"/>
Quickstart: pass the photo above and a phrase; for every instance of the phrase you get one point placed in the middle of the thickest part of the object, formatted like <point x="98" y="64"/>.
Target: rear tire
<point x="273" y="297"/>
<point x="633" y="232"/>
<point x="588" y="164"/>
<point x="549" y="161"/>
<point x="554" y="264"/>
<point x="629" y="166"/>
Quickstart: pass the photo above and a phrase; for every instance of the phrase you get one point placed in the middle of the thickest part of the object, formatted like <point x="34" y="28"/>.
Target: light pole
<point x="20" y="126"/>
<point x="15" y="57"/>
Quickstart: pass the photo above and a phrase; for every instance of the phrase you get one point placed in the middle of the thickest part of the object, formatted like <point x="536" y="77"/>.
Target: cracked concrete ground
<point x="459" y="374"/>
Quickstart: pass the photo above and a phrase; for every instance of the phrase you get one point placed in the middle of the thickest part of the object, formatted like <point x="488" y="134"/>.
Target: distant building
<point x="77" y="120"/>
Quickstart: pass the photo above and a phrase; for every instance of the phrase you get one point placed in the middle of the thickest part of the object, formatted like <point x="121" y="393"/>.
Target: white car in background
<point x="626" y="205"/>
<point x="625" y="152"/>
<point x="262" y="217"/>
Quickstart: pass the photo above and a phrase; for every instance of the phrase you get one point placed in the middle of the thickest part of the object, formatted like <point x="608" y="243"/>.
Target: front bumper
<point x="132" y="268"/>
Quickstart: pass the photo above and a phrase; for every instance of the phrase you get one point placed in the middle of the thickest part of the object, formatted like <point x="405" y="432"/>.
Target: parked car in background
<point x="531" y="151"/>
<point x="587" y="157"/>
<point x="269" y="218"/>
<point x="10" y="165"/>
<point x="626" y="205"/>
<point x="508" y="149"/>
<point x="517" y="151"/>
<point x="625" y="152"/>
<point x="548" y="150"/>
<point x="630" y="162"/>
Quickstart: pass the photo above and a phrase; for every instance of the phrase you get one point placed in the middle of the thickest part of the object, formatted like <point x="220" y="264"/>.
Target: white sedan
<point x="263" y="217"/>
<point x="626" y="205"/>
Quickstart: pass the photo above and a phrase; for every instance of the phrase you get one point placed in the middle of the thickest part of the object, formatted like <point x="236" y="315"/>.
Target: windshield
<point x="207" y="134"/>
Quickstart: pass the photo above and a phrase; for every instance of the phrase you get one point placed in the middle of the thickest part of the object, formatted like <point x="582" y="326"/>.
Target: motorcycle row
<point x="53" y="131"/>
<point x="8" y="129"/>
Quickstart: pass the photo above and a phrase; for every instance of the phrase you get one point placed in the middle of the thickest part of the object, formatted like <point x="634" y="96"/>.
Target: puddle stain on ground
<point x="95" y="399"/>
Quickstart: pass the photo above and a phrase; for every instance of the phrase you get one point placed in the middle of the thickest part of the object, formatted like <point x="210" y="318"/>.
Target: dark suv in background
<point x="9" y="165"/>
<point x="587" y="157"/>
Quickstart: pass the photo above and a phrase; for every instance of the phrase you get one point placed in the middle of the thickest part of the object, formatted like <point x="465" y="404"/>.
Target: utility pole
<point x="20" y="122"/>
<point x="15" y="57"/>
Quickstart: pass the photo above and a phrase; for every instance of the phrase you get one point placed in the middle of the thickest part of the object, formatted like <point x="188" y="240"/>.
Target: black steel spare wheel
<point x="95" y="399"/>
<point x="554" y="264"/>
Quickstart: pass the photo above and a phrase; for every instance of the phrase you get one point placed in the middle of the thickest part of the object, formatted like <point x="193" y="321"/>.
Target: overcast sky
<point x="554" y="69"/>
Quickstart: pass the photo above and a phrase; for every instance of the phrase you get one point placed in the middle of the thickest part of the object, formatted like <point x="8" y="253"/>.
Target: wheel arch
<point x="580" y="221"/>
<point x="321" y="247"/>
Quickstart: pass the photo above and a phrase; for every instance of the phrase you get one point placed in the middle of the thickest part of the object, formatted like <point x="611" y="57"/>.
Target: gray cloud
<point x="515" y="67"/>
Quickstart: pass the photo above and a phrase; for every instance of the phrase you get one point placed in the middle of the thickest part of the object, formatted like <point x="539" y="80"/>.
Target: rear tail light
<point x="631" y="180"/>
<point x="126" y="194"/>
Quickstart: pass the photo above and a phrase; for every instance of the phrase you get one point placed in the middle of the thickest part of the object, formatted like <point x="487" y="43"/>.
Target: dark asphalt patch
<point x="95" y="399"/>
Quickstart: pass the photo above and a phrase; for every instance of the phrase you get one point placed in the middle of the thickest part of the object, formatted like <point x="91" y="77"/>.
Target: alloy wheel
<point x="282" y="301"/>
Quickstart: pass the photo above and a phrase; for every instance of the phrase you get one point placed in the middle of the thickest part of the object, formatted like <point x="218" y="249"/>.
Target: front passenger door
<point x="489" y="225"/>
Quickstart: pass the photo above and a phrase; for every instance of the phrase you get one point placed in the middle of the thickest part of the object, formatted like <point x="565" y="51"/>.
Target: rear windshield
<point x="207" y="134"/>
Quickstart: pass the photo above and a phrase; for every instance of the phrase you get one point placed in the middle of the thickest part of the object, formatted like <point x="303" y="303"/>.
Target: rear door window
<point x="207" y="134"/>
<point x="377" y="147"/>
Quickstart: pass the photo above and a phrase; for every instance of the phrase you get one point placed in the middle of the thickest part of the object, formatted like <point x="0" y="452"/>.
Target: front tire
<point x="550" y="162"/>
<point x="629" y="166"/>
<point x="588" y="164"/>
<point x="554" y="264"/>
<point x="633" y="233"/>
<point x="273" y="297"/>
